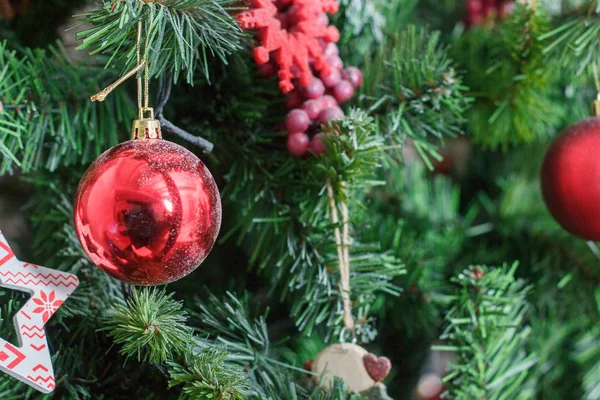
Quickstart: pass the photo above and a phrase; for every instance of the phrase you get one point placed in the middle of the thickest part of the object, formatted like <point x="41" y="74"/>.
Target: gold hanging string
<point x="342" y="239"/>
<point x="100" y="96"/>
<point x="146" y="93"/>
<point x="596" y="104"/>
<point x="139" y="61"/>
<point x="142" y="95"/>
<point x="147" y="69"/>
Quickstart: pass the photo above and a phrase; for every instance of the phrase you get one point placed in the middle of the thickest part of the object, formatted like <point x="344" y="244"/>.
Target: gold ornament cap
<point x="146" y="128"/>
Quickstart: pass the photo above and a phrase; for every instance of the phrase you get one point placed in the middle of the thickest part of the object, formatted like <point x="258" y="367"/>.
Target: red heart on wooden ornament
<point x="377" y="367"/>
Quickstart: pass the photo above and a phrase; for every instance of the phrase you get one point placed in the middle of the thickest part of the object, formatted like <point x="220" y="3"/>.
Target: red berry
<point x="328" y="101"/>
<point x="314" y="89"/>
<point x="353" y="75"/>
<point x="317" y="145"/>
<point x="335" y="62"/>
<point x="308" y="365"/>
<point x="312" y="108"/>
<point x="332" y="79"/>
<point x="297" y="121"/>
<point x="331" y="50"/>
<point x="323" y="19"/>
<point x="293" y="100"/>
<point x="331" y="113"/>
<point x="474" y="6"/>
<point x="343" y="91"/>
<point x="297" y="144"/>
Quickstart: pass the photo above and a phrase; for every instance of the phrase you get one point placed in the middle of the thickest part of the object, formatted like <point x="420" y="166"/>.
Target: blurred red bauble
<point x="570" y="176"/>
<point x="147" y="212"/>
<point x="430" y="387"/>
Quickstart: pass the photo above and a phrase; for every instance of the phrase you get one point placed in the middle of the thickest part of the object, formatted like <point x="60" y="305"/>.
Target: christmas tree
<point x="384" y="231"/>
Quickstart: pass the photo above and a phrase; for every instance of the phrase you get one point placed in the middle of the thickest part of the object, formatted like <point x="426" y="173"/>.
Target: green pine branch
<point x="516" y="91"/>
<point x="46" y="123"/>
<point x="587" y="355"/>
<point x="150" y="326"/>
<point x="184" y="34"/>
<point x="229" y="323"/>
<point x="204" y="374"/>
<point x="486" y="329"/>
<point x="362" y="25"/>
<point x="574" y="44"/>
<point x="412" y="85"/>
<point x="284" y="218"/>
<point x="420" y="220"/>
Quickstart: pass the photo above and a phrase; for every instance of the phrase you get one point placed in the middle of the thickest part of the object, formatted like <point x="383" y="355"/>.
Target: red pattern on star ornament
<point x="293" y="33"/>
<point x="48" y="304"/>
<point x="30" y="361"/>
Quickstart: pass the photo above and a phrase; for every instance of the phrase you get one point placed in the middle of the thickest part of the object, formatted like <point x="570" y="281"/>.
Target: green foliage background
<point x="469" y="262"/>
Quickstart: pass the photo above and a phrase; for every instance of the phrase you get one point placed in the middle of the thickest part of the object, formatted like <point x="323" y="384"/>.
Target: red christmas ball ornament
<point x="569" y="174"/>
<point x="147" y="212"/>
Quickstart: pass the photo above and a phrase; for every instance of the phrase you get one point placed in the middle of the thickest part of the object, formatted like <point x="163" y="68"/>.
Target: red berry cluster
<point x="297" y="43"/>
<point x="317" y="103"/>
<point x="481" y="11"/>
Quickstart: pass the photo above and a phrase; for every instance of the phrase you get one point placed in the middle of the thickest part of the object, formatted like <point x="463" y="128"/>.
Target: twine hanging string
<point x="342" y="239"/>
<point x="596" y="78"/>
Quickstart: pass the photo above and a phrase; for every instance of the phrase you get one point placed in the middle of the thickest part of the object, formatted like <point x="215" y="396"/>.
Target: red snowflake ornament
<point x="293" y="33"/>
<point x="296" y="41"/>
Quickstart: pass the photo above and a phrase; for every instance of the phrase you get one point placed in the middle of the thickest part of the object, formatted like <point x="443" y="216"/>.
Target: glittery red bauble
<point x="147" y="212"/>
<point x="570" y="179"/>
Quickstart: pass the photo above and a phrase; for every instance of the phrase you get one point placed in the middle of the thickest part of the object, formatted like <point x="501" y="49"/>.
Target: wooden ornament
<point x="344" y="361"/>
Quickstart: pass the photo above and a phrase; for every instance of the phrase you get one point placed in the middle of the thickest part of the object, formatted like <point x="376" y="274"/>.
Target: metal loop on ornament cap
<point x="146" y="128"/>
